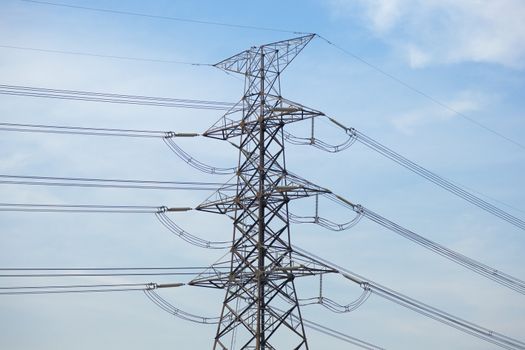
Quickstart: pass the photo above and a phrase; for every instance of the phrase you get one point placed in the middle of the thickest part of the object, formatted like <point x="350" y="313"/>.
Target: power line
<point x="422" y="93"/>
<point x="431" y="176"/>
<point x="79" y="208"/>
<point x="281" y="272"/>
<point x="340" y="335"/>
<point x="112" y="95"/>
<point x="484" y="270"/>
<point x="36" y="272"/>
<point x="420" y="307"/>
<point x="90" y="54"/>
<point x="100" y="268"/>
<point x="196" y="164"/>
<point x="188" y="237"/>
<point x="340" y="48"/>
<point x="167" y="137"/>
<point x="78" y="130"/>
<point x="385" y="151"/>
<point x="170" y="18"/>
<point x="354" y="135"/>
<point x="177" y="312"/>
<point x="99" y="274"/>
<point x="76" y="95"/>
<point x="77" y="286"/>
<point x="491" y="273"/>
<point x="96" y="274"/>
<point x="85" y="288"/>
<point x="110" y="183"/>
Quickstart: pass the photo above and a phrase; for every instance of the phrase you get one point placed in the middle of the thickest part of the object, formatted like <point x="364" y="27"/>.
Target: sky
<point x="468" y="55"/>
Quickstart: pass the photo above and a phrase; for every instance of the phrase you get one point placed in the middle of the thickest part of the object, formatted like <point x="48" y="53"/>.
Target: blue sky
<point x="470" y="55"/>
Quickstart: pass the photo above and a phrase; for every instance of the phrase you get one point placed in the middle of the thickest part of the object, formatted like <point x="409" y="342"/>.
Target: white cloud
<point x="416" y="57"/>
<point x="466" y="101"/>
<point x="446" y="31"/>
<point x="384" y="14"/>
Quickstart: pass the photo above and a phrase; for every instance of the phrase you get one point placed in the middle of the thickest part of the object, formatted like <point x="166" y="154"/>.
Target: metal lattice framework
<point x="260" y="308"/>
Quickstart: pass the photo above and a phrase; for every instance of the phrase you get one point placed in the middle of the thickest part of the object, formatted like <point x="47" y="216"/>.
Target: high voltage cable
<point x="484" y="270"/>
<point x="32" y="272"/>
<point x="78" y="130"/>
<point x="423" y="94"/>
<point x="90" y="96"/>
<point x="367" y="141"/>
<point x="433" y="177"/>
<point x="440" y="181"/>
<point x="95" y="274"/>
<point x="85" y="288"/>
<point x="339" y="335"/>
<point x="76" y="286"/>
<point x="99" y="268"/>
<point x="80" y="208"/>
<point x="177" y="312"/>
<point x="171" y="309"/>
<point x="443" y="317"/>
<point x="334" y="306"/>
<point x="160" y="213"/>
<point x="110" y="183"/>
<point x="61" y="289"/>
<point x="194" y="163"/>
<point x="167" y="137"/>
<point x="17" y="88"/>
<point x="420" y="307"/>
<point x="90" y="54"/>
<point x="491" y="273"/>
<point x="170" y="18"/>
<point x="338" y="47"/>
<point x="148" y="288"/>
<point x="149" y="285"/>
<point x="188" y="237"/>
<point x="396" y="157"/>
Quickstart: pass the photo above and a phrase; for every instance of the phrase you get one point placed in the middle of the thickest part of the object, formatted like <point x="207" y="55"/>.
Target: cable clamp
<point x="352" y="132"/>
<point x="169" y="134"/>
<point x="151" y="286"/>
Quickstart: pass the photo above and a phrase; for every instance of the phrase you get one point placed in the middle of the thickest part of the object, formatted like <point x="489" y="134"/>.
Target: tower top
<point x="279" y="53"/>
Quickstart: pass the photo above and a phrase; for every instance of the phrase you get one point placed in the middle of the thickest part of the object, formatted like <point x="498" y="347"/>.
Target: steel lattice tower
<point x="260" y="308"/>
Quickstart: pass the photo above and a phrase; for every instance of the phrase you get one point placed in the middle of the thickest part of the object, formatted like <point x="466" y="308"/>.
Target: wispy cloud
<point x="446" y="31"/>
<point x="466" y="101"/>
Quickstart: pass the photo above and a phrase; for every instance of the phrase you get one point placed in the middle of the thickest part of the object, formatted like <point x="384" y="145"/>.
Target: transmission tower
<point x="260" y="308"/>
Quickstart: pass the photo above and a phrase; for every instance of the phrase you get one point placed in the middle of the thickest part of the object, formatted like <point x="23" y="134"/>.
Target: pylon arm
<point x="278" y="110"/>
<point x="285" y="51"/>
<point x="298" y="266"/>
<point x="222" y="203"/>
